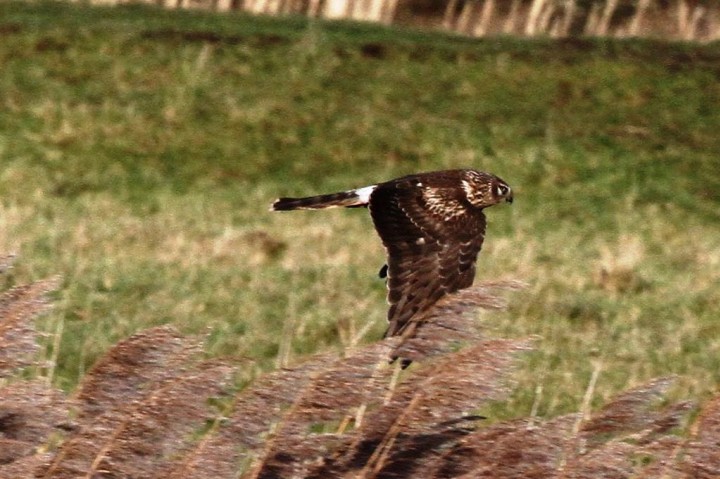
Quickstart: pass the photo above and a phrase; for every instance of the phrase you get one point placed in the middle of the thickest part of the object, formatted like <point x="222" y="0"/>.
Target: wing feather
<point x="432" y="237"/>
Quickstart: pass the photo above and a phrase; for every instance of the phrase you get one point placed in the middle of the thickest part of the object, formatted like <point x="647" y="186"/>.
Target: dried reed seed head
<point x="449" y="321"/>
<point x="27" y="300"/>
<point x="31" y="410"/>
<point x="18" y="337"/>
<point x="124" y="373"/>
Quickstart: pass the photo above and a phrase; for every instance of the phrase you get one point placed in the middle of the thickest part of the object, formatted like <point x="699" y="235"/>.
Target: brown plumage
<point x="433" y="227"/>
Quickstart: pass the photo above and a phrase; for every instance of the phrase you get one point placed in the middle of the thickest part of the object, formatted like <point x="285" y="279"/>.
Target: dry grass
<point x="143" y="411"/>
<point x="143" y="147"/>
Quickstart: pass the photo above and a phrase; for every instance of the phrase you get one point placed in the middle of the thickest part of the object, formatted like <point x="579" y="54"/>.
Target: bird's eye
<point x="501" y="190"/>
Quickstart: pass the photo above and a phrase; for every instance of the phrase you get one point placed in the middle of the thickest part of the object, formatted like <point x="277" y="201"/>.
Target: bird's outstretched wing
<point x="432" y="237"/>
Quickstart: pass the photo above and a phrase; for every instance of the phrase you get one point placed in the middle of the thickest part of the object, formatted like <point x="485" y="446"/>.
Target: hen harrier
<point x="432" y="225"/>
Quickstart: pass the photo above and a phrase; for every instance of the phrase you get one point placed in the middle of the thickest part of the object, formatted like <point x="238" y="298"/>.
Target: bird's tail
<point x="347" y="199"/>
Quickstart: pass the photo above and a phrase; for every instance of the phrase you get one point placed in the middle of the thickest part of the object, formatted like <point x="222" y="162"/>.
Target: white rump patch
<point x="363" y="194"/>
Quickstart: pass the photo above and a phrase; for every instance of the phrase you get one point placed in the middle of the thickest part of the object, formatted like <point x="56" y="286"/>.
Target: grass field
<point x="140" y="149"/>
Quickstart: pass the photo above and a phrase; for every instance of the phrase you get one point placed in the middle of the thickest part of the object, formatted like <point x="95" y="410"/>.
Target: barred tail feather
<point x="348" y="199"/>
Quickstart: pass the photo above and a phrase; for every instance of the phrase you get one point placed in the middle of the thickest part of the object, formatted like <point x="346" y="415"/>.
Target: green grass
<point x="140" y="149"/>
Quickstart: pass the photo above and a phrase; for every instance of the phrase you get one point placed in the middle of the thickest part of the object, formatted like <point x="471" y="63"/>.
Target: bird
<point x="432" y="226"/>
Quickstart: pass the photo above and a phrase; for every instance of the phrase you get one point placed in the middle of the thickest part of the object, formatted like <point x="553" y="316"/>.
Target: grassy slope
<point x="139" y="150"/>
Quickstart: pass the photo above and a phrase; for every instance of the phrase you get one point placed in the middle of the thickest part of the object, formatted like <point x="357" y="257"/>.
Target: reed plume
<point x="151" y="407"/>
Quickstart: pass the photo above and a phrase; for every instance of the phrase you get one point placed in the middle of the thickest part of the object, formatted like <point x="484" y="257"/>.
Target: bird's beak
<point x="509" y="199"/>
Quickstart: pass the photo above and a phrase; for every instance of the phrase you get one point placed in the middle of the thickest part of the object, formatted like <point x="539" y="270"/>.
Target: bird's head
<point x="485" y="189"/>
<point x="501" y="191"/>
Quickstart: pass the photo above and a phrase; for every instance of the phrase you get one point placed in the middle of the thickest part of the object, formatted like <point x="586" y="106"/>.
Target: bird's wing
<point x="432" y="238"/>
